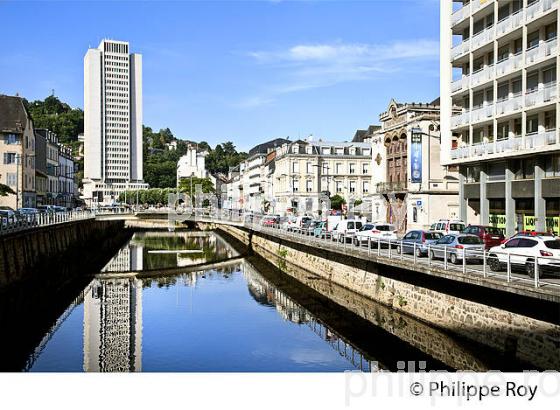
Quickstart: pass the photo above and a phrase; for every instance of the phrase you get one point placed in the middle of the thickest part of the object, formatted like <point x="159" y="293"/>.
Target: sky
<point x="241" y="71"/>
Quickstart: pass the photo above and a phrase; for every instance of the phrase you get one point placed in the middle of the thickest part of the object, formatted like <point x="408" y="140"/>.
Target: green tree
<point x="5" y="190"/>
<point x="185" y="185"/>
<point x="337" y="201"/>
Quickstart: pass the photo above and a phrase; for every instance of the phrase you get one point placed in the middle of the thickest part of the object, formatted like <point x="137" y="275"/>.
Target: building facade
<point x="411" y="187"/>
<point x="192" y="164"/>
<point x="17" y="151"/>
<point x="112" y="122"/>
<point x="306" y="171"/>
<point x="500" y="64"/>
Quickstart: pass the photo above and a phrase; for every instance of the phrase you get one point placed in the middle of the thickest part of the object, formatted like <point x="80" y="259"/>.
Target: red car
<point x="490" y="235"/>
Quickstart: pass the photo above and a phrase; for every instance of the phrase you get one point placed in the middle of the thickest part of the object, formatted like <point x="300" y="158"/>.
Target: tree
<point x="5" y="190"/>
<point x="186" y="183"/>
<point x="337" y="201"/>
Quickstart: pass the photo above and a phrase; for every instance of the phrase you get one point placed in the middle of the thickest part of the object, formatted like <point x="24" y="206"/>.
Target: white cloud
<point x="308" y="66"/>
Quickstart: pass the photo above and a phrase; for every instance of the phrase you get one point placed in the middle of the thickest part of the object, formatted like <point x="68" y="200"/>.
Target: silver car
<point x="457" y="246"/>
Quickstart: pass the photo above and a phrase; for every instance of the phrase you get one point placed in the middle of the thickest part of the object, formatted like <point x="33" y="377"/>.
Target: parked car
<point x="530" y="234"/>
<point x="458" y="246"/>
<point x="417" y="242"/>
<point x="298" y="224"/>
<point x="522" y="253"/>
<point x="10" y="217"/>
<point x="345" y="228"/>
<point x="375" y="231"/>
<point x="28" y="211"/>
<point x="448" y="226"/>
<point x="320" y="230"/>
<point x="270" y="220"/>
<point x="490" y="235"/>
<point x="309" y="227"/>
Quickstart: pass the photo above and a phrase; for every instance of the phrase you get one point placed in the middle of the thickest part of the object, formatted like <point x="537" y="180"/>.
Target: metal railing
<point x="502" y="265"/>
<point x="16" y="223"/>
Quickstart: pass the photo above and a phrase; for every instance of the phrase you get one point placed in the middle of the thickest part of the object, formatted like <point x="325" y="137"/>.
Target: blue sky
<point x="245" y="71"/>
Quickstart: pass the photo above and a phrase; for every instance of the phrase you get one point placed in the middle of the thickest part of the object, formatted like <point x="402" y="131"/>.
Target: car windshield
<point x="385" y="228"/>
<point x="358" y="225"/>
<point x="432" y="235"/>
<point x="367" y="227"/>
<point x="469" y="240"/>
<point x="553" y="244"/>
<point x="456" y="227"/>
<point x="493" y="230"/>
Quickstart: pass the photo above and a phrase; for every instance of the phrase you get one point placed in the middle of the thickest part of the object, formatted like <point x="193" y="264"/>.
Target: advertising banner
<point x="416" y="157"/>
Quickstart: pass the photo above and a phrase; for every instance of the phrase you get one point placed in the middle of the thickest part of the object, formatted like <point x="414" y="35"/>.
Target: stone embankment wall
<point x="51" y="249"/>
<point x="523" y="337"/>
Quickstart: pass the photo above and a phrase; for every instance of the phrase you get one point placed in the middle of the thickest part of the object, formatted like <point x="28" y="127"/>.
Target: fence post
<point x="445" y="257"/>
<point x="537" y="272"/>
<point x="509" y="268"/>
<point x="390" y="248"/>
<point x="429" y="255"/>
<point x="369" y="245"/>
<point x="484" y="263"/>
<point x="402" y="250"/>
<point x="414" y="252"/>
<point x="464" y="261"/>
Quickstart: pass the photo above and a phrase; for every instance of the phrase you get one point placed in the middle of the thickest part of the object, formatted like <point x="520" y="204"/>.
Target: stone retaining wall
<point x="525" y="338"/>
<point x="48" y="250"/>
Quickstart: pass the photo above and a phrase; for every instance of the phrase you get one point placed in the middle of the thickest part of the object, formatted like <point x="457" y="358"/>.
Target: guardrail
<point x="510" y="267"/>
<point x="24" y="222"/>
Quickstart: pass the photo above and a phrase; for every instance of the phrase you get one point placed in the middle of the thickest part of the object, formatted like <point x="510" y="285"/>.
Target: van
<point x="448" y="226"/>
<point x="346" y="229"/>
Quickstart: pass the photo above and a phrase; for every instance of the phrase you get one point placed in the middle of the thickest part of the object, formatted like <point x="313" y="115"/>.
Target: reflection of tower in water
<point x="128" y="258"/>
<point x="113" y="326"/>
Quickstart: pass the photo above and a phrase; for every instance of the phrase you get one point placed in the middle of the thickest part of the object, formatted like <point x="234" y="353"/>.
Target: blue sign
<point x="419" y="203"/>
<point x="416" y="157"/>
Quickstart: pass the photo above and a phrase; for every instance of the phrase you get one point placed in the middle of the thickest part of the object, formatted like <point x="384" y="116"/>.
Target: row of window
<point x="314" y="150"/>
<point x="339" y="168"/>
<point x="338" y="186"/>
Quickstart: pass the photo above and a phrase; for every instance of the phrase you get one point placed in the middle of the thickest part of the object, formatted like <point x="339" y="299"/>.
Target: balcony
<point x="482" y="76"/>
<point x="542" y="51"/>
<point x="482" y="113"/>
<point x="478" y="4"/>
<point x="509" y="64"/>
<point x="482" y="37"/>
<point x="509" y="105"/>
<point x="542" y="95"/>
<point x="459" y="120"/>
<point x="460" y="49"/>
<point x="539" y="8"/>
<point x="460" y="84"/>
<point x="390" y="187"/>
<point x="541" y="139"/>
<point x="509" y="23"/>
<point x="460" y="14"/>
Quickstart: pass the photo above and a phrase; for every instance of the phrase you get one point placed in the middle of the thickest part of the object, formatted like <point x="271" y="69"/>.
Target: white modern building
<point x="192" y="164"/>
<point x="499" y="63"/>
<point x="112" y="122"/>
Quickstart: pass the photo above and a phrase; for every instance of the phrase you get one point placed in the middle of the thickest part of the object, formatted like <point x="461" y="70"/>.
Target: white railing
<point x="460" y="14"/>
<point x="542" y="95"/>
<point x="539" y="8"/>
<point x="460" y="49"/>
<point x="16" y="223"/>
<point x="460" y="119"/>
<point x="509" y="23"/>
<point x="542" y="51"/>
<point x="509" y="105"/>
<point x="460" y="84"/>
<point x="509" y="64"/>
<point x="482" y="113"/>
<point x="478" y="4"/>
<point x="483" y="75"/>
<point x="542" y="139"/>
<point x="482" y="37"/>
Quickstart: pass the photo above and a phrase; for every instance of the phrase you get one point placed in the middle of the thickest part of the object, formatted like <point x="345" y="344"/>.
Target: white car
<point x="522" y="253"/>
<point x="375" y="231"/>
<point x="345" y="228"/>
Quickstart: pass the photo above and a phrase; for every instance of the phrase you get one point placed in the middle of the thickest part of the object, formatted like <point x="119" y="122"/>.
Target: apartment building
<point x="112" y="122"/>
<point x="305" y="170"/>
<point x="41" y="172"/>
<point x="193" y="164"/>
<point x="412" y="188"/>
<point x="17" y="153"/>
<point x="500" y="64"/>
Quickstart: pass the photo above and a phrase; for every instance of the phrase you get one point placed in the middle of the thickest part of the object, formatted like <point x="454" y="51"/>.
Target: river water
<point x="171" y="314"/>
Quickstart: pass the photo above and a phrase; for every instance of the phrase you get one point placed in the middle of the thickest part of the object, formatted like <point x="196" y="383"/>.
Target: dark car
<point x="417" y="242"/>
<point x="490" y="235"/>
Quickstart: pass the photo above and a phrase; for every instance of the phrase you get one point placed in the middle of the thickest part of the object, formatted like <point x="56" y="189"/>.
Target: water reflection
<point x="113" y="326"/>
<point x="160" y="250"/>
